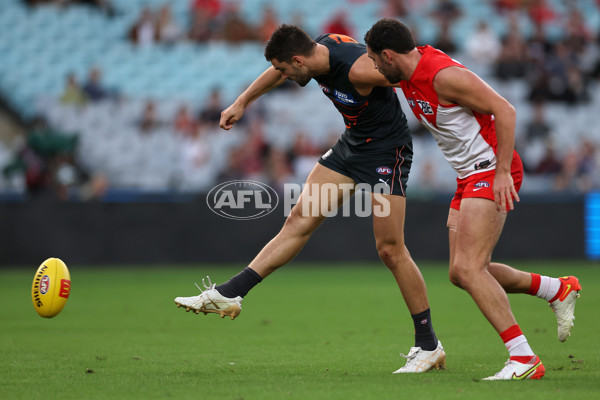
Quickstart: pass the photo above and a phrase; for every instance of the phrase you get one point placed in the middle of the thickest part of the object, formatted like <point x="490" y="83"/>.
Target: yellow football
<point x="51" y="287"/>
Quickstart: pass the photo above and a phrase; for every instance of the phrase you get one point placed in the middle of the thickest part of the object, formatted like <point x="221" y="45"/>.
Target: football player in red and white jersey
<point x="475" y="129"/>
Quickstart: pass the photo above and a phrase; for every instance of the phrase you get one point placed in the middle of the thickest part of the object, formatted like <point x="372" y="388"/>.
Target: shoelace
<point x="206" y="287"/>
<point x="412" y="354"/>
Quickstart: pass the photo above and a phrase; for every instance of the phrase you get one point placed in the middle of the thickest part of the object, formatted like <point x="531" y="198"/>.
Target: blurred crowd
<point x="46" y="158"/>
<point x="217" y="20"/>
<point x="102" y="5"/>
<point x="554" y="70"/>
<point x="562" y="69"/>
<point x="208" y="20"/>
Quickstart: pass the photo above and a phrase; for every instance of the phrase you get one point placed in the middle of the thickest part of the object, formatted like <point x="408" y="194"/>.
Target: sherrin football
<point x="51" y="287"/>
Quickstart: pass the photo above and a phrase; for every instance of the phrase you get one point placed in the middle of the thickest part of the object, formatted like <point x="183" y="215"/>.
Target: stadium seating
<point x="40" y="46"/>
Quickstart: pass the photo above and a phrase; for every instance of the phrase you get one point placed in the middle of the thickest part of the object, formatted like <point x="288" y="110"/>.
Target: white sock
<point x="519" y="347"/>
<point x="549" y="287"/>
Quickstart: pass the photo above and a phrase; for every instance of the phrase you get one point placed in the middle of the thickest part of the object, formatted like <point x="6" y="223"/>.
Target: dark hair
<point x="390" y="34"/>
<point x="288" y="41"/>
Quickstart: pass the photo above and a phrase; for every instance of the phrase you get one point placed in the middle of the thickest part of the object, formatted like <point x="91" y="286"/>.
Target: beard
<point x="392" y="77"/>
<point x="302" y="81"/>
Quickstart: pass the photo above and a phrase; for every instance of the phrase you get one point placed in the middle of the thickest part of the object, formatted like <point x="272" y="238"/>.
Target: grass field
<point x="306" y="332"/>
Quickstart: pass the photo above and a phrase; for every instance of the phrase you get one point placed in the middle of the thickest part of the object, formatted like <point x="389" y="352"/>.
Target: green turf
<point x="307" y="332"/>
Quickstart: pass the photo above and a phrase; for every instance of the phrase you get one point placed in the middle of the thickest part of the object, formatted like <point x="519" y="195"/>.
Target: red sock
<point x="511" y="333"/>
<point x="535" y="284"/>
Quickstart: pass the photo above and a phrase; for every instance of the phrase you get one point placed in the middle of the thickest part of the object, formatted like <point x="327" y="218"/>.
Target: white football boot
<point x="564" y="305"/>
<point x="514" y="370"/>
<point x="211" y="301"/>
<point x="419" y="360"/>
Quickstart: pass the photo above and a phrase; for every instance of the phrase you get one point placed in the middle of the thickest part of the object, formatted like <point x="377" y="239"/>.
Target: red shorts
<point x="482" y="184"/>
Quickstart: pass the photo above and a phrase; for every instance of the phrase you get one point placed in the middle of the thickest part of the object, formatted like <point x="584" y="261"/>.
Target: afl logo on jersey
<point x="384" y="170"/>
<point x="325" y="89"/>
<point x="411" y="102"/>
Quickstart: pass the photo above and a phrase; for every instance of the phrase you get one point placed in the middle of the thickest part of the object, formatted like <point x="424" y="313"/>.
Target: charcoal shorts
<point x="389" y="167"/>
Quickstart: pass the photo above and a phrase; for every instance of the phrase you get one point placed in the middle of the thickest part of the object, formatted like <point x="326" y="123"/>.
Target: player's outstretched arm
<point x="268" y="80"/>
<point x="461" y="86"/>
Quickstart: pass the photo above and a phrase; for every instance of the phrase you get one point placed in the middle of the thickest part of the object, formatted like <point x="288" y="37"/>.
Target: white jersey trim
<point x="457" y="133"/>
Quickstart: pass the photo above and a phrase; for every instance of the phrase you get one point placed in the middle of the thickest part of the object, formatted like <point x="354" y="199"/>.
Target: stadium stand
<point x="40" y="46"/>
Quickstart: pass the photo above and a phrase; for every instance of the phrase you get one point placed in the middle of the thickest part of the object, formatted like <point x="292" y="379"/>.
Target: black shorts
<point x="390" y="167"/>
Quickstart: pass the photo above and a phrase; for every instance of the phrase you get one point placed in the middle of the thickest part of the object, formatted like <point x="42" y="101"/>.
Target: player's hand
<point x="230" y="116"/>
<point x="504" y="192"/>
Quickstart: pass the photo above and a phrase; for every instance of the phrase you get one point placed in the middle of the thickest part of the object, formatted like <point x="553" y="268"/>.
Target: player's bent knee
<point x="454" y="279"/>
<point x="459" y="275"/>
<point x="392" y="253"/>
<point x="386" y="255"/>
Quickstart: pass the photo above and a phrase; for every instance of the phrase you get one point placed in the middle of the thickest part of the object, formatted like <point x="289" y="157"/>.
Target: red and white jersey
<point x="467" y="138"/>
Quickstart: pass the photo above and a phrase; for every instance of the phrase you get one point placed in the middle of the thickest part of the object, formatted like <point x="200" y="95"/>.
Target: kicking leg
<point x="305" y="217"/>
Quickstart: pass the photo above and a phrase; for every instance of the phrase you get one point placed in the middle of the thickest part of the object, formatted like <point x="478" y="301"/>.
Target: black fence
<point x="189" y="232"/>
